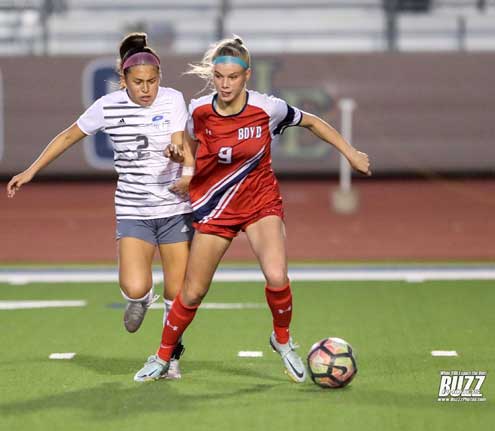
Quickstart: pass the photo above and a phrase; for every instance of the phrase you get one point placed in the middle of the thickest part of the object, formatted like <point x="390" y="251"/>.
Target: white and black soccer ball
<point x="331" y="363"/>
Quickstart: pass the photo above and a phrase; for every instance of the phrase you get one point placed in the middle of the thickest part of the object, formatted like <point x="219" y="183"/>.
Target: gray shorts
<point x="167" y="230"/>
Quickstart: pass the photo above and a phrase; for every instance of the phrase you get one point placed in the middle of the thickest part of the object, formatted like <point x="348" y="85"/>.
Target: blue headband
<point x="231" y="59"/>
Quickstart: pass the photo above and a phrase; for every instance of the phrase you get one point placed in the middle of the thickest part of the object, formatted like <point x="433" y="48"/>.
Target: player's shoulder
<point x="272" y="105"/>
<point x="263" y="100"/>
<point x="200" y="101"/>
<point x="169" y="95"/>
<point x="118" y="97"/>
<point x="170" y="92"/>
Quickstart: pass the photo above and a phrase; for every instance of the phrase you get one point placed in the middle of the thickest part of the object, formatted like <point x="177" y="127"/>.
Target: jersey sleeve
<point x="179" y="115"/>
<point x="91" y="121"/>
<point x="190" y="123"/>
<point x="283" y="115"/>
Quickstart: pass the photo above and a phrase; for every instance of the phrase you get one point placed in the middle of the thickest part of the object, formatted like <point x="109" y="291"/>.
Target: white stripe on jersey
<point x="222" y="204"/>
<point x="206" y="197"/>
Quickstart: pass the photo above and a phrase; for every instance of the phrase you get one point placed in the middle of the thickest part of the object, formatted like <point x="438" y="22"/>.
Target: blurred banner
<point x="417" y="114"/>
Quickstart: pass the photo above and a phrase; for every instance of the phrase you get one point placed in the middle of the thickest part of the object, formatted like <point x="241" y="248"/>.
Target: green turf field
<point x="393" y="326"/>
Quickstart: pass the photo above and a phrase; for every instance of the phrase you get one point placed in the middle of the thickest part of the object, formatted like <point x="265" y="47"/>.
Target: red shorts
<point x="231" y="231"/>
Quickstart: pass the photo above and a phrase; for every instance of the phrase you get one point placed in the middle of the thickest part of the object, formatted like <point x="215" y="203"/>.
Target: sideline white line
<point x="444" y="353"/>
<point x="25" y="305"/>
<point x="62" y="355"/>
<point x="357" y="273"/>
<point x="416" y="278"/>
<point x="250" y="354"/>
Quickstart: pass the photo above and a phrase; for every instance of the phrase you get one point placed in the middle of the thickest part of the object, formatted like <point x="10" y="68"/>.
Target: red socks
<point x="178" y="319"/>
<point x="280" y="302"/>
<point x="180" y="316"/>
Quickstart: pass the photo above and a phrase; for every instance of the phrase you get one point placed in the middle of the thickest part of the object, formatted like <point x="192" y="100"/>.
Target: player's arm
<point x="190" y="147"/>
<point x="187" y="156"/>
<point x="358" y="160"/>
<point x="53" y="150"/>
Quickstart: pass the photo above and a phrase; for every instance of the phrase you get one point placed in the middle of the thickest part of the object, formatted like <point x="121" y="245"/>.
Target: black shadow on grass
<point x="124" y="366"/>
<point x="379" y="397"/>
<point x="110" y="400"/>
<point x="257" y="371"/>
<point x="109" y="366"/>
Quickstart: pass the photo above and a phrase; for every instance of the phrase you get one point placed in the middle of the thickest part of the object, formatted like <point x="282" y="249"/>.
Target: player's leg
<point x="206" y="252"/>
<point x="267" y="239"/>
<point x="135" y="278"/>
<point x="174" y="261"/>
<point x="174" y="235"/>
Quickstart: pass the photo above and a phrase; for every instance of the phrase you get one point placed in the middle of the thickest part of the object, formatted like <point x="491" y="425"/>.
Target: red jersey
<point x="234" y="177"/>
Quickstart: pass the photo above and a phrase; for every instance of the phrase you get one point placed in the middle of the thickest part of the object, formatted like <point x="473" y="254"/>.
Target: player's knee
<point x="134" y="290"/>
<point x="192" y="298"/>
<point x="192" y="295"/>
<point x="276" y="278"/>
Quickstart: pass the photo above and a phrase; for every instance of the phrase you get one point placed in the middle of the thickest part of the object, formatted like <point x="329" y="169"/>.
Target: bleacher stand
<point x="73" y="27"/>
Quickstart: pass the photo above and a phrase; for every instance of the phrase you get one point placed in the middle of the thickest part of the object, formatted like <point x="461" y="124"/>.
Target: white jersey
<point x="139" y="136"/>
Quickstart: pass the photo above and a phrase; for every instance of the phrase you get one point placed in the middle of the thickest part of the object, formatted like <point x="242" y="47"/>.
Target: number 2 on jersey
<point x="225" y="155"/>
<point x="142" y="154"/>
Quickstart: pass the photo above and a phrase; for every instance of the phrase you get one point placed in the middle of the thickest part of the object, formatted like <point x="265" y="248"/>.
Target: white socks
<point x="146" y="298"/>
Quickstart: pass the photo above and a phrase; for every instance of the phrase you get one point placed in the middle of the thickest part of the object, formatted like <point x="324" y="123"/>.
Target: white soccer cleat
<point x="294" y="366"/>
<point x="154" y="369"/>
<point x="173" y="372"/>
<point x="135" y="312"/>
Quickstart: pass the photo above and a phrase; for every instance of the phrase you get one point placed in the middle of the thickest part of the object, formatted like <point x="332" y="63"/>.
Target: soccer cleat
<point x="174" y="368"/>
<point x="294" y="366"/>
<point x="173" y="372"/>
<point x="153" y="369"/>
<point x="134" y="313"/>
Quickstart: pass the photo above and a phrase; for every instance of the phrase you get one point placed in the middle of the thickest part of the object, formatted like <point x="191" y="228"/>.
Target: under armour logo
<point x="174" y="328"/>
<point x="282" y="311"/>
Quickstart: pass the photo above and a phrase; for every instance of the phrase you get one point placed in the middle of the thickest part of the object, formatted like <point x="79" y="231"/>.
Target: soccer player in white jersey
<point x="145" y="123"/>
<point x="234" y="189"/>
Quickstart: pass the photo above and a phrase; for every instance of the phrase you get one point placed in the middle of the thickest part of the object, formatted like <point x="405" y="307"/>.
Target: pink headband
<point x="141" y="58"/>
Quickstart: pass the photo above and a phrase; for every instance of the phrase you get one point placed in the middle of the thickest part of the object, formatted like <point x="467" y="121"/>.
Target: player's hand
<point x="174" y="153"/>
<point x="181" y="186"/>
<point x="360" y="162"/>
<point x="16" y="182"/>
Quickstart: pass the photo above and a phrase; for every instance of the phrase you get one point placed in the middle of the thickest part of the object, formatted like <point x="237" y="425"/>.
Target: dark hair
<point x="132" y="44"/>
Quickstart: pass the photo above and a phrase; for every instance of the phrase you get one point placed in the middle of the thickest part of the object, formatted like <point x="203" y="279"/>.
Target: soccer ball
<point x="331" y="363"/>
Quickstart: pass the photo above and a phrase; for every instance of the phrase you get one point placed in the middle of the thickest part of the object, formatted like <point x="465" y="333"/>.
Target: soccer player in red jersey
<point x="233" y="189"/>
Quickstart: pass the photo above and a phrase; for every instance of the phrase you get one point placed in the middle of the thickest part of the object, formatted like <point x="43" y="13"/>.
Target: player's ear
<point x="248" y="74"/>
<point x="122" y="83"/>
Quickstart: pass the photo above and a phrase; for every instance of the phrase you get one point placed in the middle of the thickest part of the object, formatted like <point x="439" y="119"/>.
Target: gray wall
<point x="419" y="114"/>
